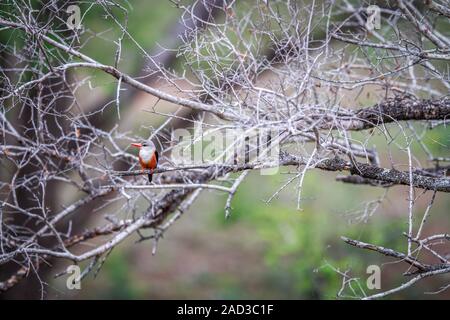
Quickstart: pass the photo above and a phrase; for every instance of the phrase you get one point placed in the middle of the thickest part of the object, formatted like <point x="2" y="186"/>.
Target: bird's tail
<point x="150" y="176"/>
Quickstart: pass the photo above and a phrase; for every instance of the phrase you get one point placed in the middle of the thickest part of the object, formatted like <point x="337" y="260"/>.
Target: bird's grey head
<point x="148" y="144"/>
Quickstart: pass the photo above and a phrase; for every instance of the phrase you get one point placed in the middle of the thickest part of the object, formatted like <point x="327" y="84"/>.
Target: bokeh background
<point x="263" y="251"/>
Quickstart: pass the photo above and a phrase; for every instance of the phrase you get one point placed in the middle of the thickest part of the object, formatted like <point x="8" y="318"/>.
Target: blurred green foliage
<point x="301" y="246"/>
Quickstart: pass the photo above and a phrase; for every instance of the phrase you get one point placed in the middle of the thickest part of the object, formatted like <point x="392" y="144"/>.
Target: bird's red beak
<point x="137" y="145"/>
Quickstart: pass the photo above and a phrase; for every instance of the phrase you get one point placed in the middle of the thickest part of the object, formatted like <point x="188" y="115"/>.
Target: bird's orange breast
<point x="150" y="164"/>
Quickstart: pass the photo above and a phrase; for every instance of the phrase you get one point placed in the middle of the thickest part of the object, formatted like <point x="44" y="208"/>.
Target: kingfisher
<point x="148" y="156"/>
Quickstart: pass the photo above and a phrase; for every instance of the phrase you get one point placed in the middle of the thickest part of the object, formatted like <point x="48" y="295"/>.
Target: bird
<point x="148" y="156"/>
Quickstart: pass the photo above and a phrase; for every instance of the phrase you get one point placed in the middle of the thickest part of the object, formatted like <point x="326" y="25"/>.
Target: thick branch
<point x="401" y="109"/>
